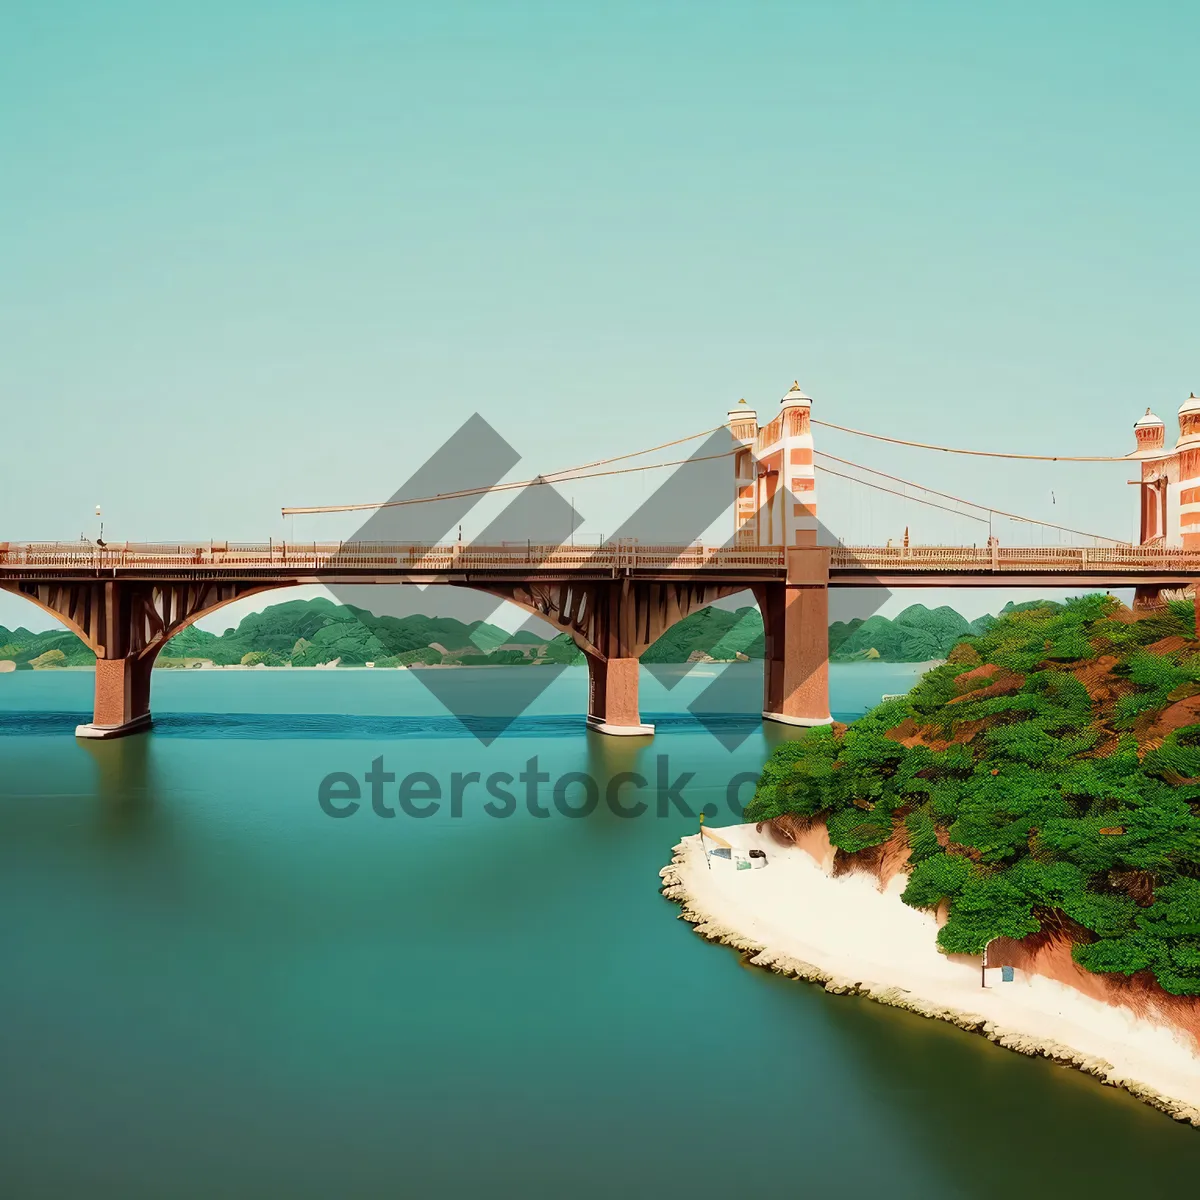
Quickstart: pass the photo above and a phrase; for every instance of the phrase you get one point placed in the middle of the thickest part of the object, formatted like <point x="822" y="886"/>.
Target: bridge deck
<point x="849" y="566"/>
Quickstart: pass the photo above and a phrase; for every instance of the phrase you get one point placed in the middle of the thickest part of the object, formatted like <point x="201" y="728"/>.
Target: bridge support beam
<point x="613" y="621"/>
<point x="1147" y="599"/>
<point x="122" y="701"/>
<point x="796" y="626"/>
<point x="613" y="697"/>
<point x="125" y="623"/>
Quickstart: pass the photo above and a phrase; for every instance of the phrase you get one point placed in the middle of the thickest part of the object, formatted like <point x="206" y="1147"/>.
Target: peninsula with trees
<point x="1033" y="805"/>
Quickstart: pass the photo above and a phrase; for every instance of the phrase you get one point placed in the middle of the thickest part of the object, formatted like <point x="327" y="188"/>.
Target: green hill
<point x="25" y="648"/>
<point x="916" y="634"/>
<point x="1045" y="782"/>
<point x="716" y="632"/>
<point x="307" y="633"/>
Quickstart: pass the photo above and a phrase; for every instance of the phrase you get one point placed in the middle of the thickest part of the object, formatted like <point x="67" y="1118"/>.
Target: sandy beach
<point x="796" y="918"/>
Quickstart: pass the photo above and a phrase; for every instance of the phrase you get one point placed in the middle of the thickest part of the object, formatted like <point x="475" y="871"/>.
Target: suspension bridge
<point x="616" y="598"/>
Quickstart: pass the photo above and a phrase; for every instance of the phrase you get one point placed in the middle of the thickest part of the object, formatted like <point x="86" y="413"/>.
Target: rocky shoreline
<point x="709" y="926"/>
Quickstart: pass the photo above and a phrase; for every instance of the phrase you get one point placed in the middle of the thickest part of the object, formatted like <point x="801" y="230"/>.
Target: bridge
<point x="614" y="599"/>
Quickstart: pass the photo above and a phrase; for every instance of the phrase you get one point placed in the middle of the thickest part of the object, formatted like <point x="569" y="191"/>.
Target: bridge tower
<point x="743" y="426"/>
<point x="1150" y="432"/>
<point x="776" y="505"/>
<point x="1170" y="483"/>
<point x="1187" y="452"/>
<point x="774" y="480"/>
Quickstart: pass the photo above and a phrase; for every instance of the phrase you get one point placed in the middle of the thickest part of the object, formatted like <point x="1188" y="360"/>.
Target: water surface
<point x="208" y="987"/>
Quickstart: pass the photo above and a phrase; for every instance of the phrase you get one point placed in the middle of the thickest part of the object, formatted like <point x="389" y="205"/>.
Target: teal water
<point x="209" y="987"/>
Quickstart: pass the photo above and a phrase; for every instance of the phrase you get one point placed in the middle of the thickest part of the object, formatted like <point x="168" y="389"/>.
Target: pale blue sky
<point x="255" y="254"/>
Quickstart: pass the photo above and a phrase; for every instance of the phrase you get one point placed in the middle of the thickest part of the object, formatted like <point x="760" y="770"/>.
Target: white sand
<point x="794" y="917"/>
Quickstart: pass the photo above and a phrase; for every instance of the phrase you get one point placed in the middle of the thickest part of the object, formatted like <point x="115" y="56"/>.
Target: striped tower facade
<point x="776" y="504"/>
<point x="1170" y="483"/>
<point x="1150" y="432"/>
<point x="801" y="517"/>
<point x="774" y="479"/>
<point x="1187" y="450"/>
<point x="743" y="426"/>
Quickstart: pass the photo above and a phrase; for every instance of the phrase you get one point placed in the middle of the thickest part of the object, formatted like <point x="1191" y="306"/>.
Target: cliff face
<point x="1042" y="787"/>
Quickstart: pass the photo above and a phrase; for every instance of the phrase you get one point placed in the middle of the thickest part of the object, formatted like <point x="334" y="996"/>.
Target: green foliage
<point x="935" y="879"/>
<point x="563" y="650"/>
<point x="1163" y="938"/>
<point x="797" y="778"/>
<point x="49" y="658"/>
<point x="52" y="648"/>
<point x="1179" y="753"/>
<point x="1156" y="677"/>
<point x="1040" y="802"/>
<point x="922" y="837"/>
<point x="989" y="905"/>
<point x="263" y="658"/>
<point x="716" y="632"/>
<point x="915" y="635"/>
<point x="311" y="633"/>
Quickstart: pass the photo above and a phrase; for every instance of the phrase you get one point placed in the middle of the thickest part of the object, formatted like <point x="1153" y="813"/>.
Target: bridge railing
<point x="1014" y="558"/>
<point x="359" y="555"/>
<point x="530" y="556"/>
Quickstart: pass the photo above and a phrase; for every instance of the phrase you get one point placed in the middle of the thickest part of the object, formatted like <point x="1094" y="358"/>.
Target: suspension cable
<point x="558" y="477"/>
<point x="958" y="512"/>
<point x="566" y="475"/>
<point x="879" y="437"/>
<point x="999" y="512"/>
<point x="903" y="495"/>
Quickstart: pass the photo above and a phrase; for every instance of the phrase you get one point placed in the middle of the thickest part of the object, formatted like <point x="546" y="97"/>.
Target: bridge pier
<point x="613" y="697"/>
<point x="796" y="626"/>
<point x="122" y="698"/>
<point x="125" y="623"/>
<point x="614" y="621"/>
<point x="1147" y="599"/>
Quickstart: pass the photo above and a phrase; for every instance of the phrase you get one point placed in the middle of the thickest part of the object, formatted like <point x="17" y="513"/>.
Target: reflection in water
<point x="124" y="781"/>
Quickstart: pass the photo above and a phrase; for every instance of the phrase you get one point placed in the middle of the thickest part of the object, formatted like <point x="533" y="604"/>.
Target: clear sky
<point x="255" y="254"/>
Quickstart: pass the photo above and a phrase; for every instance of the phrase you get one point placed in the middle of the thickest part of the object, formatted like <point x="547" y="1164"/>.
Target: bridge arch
<point x="613" y="621"/>
<point x="126" y="624"/>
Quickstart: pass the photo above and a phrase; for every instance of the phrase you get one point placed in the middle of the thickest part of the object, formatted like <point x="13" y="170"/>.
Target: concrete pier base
<point x="785" y="719"/>
<point x="613" y="697"/>
<point x="602" y="726"/>
<point x="101" y="732"/>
